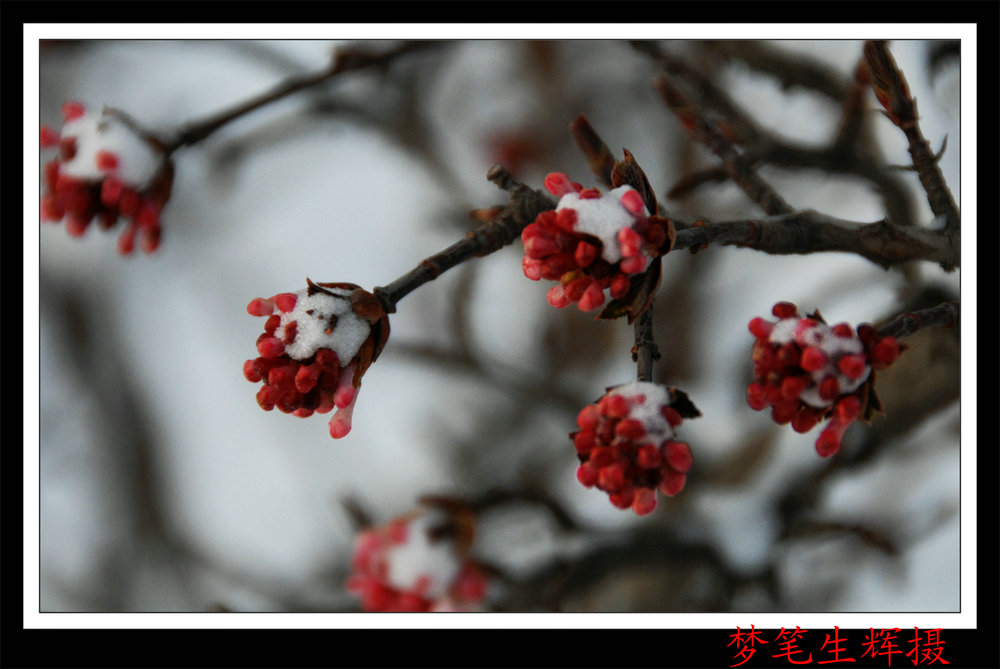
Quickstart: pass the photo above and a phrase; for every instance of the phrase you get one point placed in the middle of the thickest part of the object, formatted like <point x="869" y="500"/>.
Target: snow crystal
<point x="313" y="315"/>
<point x="655" y="397"/>
<point x="601" y="217"/>
<point x="420" y="557"/>
<point x="138" y="162"/>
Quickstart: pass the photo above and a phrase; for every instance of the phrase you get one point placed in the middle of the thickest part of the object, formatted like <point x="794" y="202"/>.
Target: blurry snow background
<point x="165" y="488"/>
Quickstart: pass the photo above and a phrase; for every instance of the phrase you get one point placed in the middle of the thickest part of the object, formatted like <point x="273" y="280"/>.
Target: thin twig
<point x="504" y="228"/>
<point x="645" y="351"/>
<point x="343" y="61"/>
<point x="893" y="93"/>
<point x="708" y="133"/>
<point x="945" y="314"/>
<point x="809" y="231"/>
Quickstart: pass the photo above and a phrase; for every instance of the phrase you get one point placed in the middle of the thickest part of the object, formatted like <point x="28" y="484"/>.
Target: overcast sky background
<point x="149" y="349"/>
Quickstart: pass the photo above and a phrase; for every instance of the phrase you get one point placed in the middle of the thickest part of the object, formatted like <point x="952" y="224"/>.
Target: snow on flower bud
<point x="807" y="372"/>
<point x="106" y="170"/>
<point x="418" y="563"/>
<point x="606" y="238"/>
<point x="627" y="447"/>
<point x="316" y="345"/>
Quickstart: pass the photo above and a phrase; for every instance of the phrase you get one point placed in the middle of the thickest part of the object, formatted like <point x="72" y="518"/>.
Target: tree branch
<point x="711" y="135"/>
<point x="893" y="92"/>
<point x="504" y="227"/>
<point x="343" y="61"/>
<point x="812" y="232"/>
<point x="945" y="314"/>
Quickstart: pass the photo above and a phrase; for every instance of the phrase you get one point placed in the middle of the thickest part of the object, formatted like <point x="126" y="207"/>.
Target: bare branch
<point x="812" y="232"/>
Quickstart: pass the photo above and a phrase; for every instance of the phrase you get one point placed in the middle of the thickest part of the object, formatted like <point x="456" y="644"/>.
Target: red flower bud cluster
<point x="807" y="371"/>
<point x="418" y="563"/>
<point x="105" y="170"/>
<point x="316" y="345"/>
<point x="590" y="243"/>
<point x="627" y="448"/>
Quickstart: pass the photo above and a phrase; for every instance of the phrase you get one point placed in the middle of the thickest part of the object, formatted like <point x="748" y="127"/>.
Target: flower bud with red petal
<point x="627" y="447"/>
<point x="316" y="345"/>
<point x="592" y="243"/>
<point x="105" y="171"/>
<point x="418" y="563"/>
<point x="808" y="372"/>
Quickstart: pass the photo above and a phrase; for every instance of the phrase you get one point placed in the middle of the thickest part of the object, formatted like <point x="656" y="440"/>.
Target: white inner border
<point x="966" y="619"/>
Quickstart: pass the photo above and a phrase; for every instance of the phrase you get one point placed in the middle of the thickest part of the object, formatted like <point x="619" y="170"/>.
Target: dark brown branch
<point x="790" y="69"/>
<point x="645" y="351"/>
<point x="893" y="93"/>
<point x="811" y="232"/>
<point x="945" y="314"/>
<point x="343" y="61"/>
<point x="712" y="136"/>
<point x="504" y="228"/>
<point x="599" y="157"/>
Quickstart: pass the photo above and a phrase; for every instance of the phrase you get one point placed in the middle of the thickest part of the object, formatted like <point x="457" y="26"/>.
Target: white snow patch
<point x="138" y="162"/>
<point x="654" y="397"/>
<point x="601" y="217"/>
<point x="312" y="317"/>
<point x="419" y="556"/>
<point x="834" y="346"/>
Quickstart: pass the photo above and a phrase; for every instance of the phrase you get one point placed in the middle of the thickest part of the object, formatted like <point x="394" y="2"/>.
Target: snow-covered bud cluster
<point x="807" y="371"/>
<point x="316" y="345"/>
<point x="627" y="448"/>
<point x="418" y="563"/>
<point x="105" y="170"/>
<point x="592" y="243"/>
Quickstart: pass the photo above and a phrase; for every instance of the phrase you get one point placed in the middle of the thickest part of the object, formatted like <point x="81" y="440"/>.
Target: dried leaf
<point x="680" y="403"/>
<point x="627" y="171"/>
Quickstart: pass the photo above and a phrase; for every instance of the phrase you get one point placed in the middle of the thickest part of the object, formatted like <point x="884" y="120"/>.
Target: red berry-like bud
<point x="589" y="417"/>
<point x="756" y="396"/>
<point x="829" y="388"/>
<point x="842" y="330"/>
<point x="630" y="429"/>
<point x="785" y="310"/>
<point x="885" y="352"/>
<point x="108" y="171"/>
<point x="644" y="501"/>
<point x="828" y="443"/>
<point x="648" y="456"/>
<point x="72" y="110"/>
<point x="559" y="184"/>
<point x="760" y="328"/>
<point x="807" y="372"/>
<point x="587" y="474"/>
<point x="306" y="337"/>
<point x="623" y="498"/>
<point x="673" y="482"/>
<point x="270" y="347"/>
<point x="792" y="386"/>
<point x="626" y="445"/>
<point x="106" y="161"/>
<point x="852" y="366"/>
<point x="813" y="359"/>
<point x="605" y="237"/>
<point x="418" y="563"/>
<point x="805" y="419"/>
<point x="49" y="137"/>
<point x="285" y="302"/>
<point x="678" y="455"/>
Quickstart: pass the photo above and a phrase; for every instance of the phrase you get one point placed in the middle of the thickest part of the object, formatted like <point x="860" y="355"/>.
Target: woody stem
<point x="645" y="351"/>
<point x="945" y="314"/>
<point x="502" y="229"/>
<point x="343" y="61"/>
